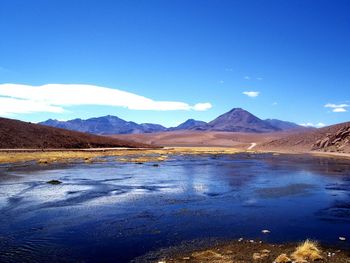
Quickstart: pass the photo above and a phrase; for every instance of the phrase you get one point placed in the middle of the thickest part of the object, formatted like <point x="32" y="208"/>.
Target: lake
<point x="116" y="211"/>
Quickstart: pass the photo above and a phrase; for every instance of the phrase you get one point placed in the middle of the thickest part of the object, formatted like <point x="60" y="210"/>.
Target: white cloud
<point x="221" y="81"/>
<point x="251" y="94"/>
<point x="337" y="107"/>
<point x="202" y="106"/>
<point x="247" y="77"/>
<point x="259" y="78"/>
<point x="10" y="106"/>
<point x="274" y="103"/>
<point x="16" y="98"/>
<point x="320" y="125"/>
<point x="310" y="124"/>
<point x="339" y="110"/>
<point x="331" y="105"/>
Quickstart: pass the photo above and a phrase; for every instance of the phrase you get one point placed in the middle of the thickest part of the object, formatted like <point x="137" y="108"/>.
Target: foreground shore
<point x="248" y="251"/>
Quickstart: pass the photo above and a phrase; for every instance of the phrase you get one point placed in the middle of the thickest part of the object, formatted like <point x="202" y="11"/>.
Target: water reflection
<point x="116" y="211"/>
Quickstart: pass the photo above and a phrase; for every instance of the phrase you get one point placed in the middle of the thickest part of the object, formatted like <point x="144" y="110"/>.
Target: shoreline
<point x="12" y="156"/>
<point x="312" y="153"/>
<point x="243" y="251"/>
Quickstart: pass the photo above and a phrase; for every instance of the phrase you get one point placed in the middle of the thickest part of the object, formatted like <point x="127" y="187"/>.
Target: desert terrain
<point x="60" y="144"/>
<point x="237" y="140"/>
<point x="332" y="139"/>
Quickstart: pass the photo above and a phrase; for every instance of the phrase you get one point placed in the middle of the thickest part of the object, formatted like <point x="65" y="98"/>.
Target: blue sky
<point x="293" y="54"/>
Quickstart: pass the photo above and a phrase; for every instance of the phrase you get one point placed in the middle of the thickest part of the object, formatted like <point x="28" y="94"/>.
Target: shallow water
<point x="114" y="212"/>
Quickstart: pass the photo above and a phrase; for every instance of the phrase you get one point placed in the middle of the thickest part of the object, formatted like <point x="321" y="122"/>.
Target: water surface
<point x="114" y="212"/>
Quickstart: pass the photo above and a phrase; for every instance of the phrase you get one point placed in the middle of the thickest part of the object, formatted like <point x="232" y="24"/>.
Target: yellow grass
<point x="143" y="159"/>
<point x="283" y="258"/>
<point x="307" y="251"/>
<point x="258" y="256"/>
<point x="210" y="256"/>
<point x="124" y="155"/>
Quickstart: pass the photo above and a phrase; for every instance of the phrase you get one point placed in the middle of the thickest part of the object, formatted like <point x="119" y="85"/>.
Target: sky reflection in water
<point x="108" y="211"/>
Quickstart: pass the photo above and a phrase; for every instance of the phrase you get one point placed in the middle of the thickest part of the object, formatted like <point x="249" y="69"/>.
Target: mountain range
<point x="236" y="120"/>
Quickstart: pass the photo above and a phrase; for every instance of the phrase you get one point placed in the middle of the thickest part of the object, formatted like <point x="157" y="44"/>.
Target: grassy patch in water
<point x="54" y="182"/>
<point x="126" y="155"/>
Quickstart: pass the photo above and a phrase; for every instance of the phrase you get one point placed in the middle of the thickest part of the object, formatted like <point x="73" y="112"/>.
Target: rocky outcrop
<point x="334" y="138"/>
<point x="335" y="142"/>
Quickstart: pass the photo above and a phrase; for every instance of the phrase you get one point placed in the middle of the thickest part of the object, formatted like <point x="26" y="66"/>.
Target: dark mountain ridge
<point x="235" y="120"/>
<point x="190" y="124"/>
<point x="105" y="125"/>
<point x="239" y="120"/>
<point x="283" y="125"/>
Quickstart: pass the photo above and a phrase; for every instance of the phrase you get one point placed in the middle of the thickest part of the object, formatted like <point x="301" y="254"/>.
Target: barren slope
<point x="19" y="134"/>
<point x="202" y="138"/>
<point x="335" y="138"/>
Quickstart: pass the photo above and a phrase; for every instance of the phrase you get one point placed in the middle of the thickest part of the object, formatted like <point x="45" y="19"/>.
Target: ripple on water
<point x="34" y="249"/>
<point x="282" y="191"/>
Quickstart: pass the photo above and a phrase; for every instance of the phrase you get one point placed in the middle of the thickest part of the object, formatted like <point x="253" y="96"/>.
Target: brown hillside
<point x="335" y="138"/>
<point x="19" y="134"/>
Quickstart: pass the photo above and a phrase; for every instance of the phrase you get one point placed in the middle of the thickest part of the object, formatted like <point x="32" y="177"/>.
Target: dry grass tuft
<point x="210" y="256"/>
<point x="261" y="255"/>
<point x="283" y="258"/>
<point x="144" y="159"/>
<point x="307" y="251"/>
